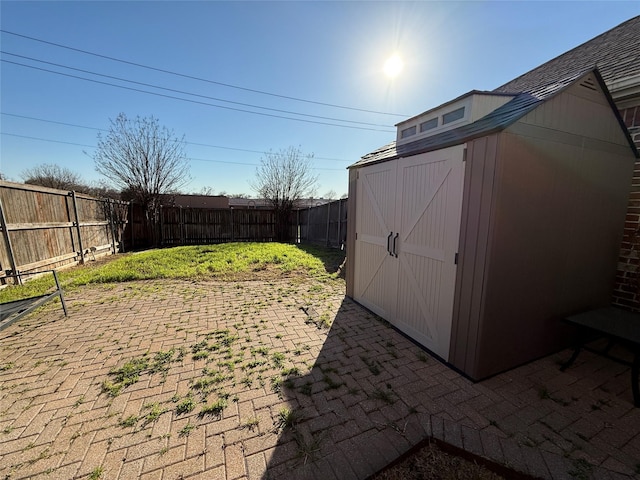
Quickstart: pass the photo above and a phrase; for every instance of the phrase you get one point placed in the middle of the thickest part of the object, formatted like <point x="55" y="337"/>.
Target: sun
<point x="393" y="66"/>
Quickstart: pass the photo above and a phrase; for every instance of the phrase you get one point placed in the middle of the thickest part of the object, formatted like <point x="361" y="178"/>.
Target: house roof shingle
<point x="616" y="54"/>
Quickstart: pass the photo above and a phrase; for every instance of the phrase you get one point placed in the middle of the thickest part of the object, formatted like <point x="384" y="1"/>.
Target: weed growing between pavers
<point x="215" y="409"/>
<point x="581" y="469"/>
<point x="287" y="419"/>
<point x="374" y="366"/>
<point x="308" y="448"/>
<point x="186" y="430"/>
<point x="130" y="421"/>
<point x="96" y="473"/>
<point x="251" y="423"/>
<point x="385" y="395"/>
<point x="186" y="405"/>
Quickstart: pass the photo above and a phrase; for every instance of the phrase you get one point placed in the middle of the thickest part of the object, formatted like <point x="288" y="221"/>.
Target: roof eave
<point x="616" y="112"/>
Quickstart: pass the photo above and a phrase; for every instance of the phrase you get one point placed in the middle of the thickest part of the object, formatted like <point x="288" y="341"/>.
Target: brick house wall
<point x="627" y="286"/>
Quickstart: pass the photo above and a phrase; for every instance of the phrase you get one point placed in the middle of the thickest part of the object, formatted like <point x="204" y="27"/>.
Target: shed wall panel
<point x="473" y="250"/>
<point x="580" y="111"/>
<point x="558" y="216"/>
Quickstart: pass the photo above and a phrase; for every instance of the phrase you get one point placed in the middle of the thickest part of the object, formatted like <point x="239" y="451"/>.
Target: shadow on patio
<point x="372" y="394"/>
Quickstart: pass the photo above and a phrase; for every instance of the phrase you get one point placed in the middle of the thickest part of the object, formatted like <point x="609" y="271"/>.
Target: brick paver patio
<point x="223" y="361"/>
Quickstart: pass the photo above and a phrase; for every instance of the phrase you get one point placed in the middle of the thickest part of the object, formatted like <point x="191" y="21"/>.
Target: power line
<point x="262" y="152"/>
<point x="46" y="140"/>
<point x="188" y="158"/>
<point x="257" y="165"/>
<point x="198" y="78"/>
<point x="192" y="94"/>
<point x="193" y="101"/>
<point x="52" y="121"/>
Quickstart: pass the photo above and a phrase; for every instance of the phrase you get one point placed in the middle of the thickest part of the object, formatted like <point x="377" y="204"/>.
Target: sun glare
<point x="393" y="66"/>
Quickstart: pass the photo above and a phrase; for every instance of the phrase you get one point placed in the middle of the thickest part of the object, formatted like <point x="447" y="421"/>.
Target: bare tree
<point x="53" y="176"/>
<point x="283" y="179"/>
<point x="330" y="195"/>
<point x="144" y="159"/>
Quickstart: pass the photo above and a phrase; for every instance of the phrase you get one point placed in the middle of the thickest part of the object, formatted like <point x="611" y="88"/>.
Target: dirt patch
<point x="431" y="463"/>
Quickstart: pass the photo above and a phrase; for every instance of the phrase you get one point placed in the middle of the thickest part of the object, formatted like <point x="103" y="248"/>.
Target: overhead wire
<point x="190" y="93"/>
<point x="263" y="152"/>
<point x="192" y="77"/>
<point x="187" y="158"/>
<point x="194" y="101"/>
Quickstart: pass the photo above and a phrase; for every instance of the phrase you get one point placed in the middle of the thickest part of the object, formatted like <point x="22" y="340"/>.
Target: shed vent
<point x="589" y="83"/>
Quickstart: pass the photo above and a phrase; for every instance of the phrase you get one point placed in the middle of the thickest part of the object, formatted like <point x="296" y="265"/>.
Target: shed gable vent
<point x="590" y="84"/>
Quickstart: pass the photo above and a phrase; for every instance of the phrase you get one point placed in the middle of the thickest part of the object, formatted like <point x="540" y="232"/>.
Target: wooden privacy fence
<point x="324" y="224"/>
<point x="43" y="228"/>
<point x="47" y="228"/>
<point x="198" y="226"/>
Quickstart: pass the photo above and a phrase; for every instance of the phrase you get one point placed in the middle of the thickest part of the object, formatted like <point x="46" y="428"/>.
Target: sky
<point x="239" y="79"/>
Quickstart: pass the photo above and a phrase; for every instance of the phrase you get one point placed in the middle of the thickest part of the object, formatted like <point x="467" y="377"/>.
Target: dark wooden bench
<point x="620" y="327"/>
<point x="12" y="311"/>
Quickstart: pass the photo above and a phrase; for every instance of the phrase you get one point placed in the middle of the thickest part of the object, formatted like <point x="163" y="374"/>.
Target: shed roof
<point x="616" y="54"/>
<point x="497" y="120"/>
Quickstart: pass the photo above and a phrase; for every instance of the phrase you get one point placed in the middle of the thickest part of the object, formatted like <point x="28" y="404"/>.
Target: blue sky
<point x="325" y="52"/>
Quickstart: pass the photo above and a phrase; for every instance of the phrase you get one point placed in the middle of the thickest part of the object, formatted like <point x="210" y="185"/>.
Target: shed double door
<point x="407" y="232"/>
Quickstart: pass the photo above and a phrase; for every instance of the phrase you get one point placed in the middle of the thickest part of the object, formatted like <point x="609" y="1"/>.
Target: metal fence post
<point x="77" y="225"/>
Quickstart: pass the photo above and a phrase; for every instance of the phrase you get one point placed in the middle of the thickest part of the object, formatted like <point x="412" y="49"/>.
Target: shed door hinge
<point x="455" y="260"/>
<point x="464" y="154"/>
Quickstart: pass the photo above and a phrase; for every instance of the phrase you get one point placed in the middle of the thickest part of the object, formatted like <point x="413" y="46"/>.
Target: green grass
<point x="226" y="261"/>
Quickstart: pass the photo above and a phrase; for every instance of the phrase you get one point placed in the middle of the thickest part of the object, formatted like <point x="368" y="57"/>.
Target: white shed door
<point x="428" y="211"/>
<point x="376" y="270"/>
<point x="419" y="200"/>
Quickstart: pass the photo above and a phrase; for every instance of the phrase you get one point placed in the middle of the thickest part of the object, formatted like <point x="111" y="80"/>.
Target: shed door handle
<point x="389" y="243"/>
<point x="395" y="254"/>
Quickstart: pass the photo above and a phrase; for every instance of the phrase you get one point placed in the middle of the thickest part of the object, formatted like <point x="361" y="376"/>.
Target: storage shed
<point x="490" y="218"/>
